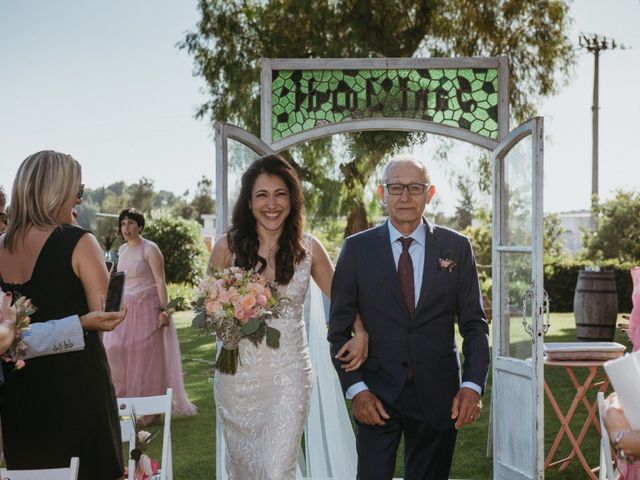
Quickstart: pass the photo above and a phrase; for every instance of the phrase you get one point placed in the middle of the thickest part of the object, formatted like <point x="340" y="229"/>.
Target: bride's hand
<point x="354" y="352"/>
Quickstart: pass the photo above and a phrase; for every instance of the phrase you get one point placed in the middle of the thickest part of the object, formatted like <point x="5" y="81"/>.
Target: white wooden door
<point x="518" y="305"/>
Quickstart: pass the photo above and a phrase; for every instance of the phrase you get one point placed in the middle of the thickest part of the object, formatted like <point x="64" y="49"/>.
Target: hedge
<point x="560" y="283"/>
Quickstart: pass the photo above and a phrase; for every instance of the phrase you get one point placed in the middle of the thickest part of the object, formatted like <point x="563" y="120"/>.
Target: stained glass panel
<point x="459" y="97"/>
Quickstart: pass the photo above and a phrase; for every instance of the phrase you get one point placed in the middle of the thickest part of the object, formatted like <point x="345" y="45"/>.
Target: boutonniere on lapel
<point x="446" y="261"/>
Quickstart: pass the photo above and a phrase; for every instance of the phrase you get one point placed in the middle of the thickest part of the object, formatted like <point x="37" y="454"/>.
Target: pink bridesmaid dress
<point x="144" y="359"/>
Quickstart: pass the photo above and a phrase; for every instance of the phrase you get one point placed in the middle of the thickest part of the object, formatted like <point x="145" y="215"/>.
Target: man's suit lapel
<point x="388" y="267"/>
<point x="432" y="250"/>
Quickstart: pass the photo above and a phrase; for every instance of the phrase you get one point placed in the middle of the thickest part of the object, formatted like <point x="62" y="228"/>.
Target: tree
<point x="142" y="194"/>
<point x="553" y="241"/>
<point x="233" y="35"/>
<point x="618" y="229"/>
<point x="203" y="202"/>
<point x="164" y="199"/>
<point x="466" y="187"/>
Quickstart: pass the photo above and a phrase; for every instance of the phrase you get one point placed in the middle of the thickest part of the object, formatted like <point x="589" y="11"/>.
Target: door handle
<point x="543" y="311"/>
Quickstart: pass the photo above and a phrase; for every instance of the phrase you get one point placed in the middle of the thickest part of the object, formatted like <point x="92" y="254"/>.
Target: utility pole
<point x="595" y="44"/>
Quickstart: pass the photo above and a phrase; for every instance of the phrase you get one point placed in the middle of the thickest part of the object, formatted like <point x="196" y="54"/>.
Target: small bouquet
<point x="234" y="304"/>
<point x="19" y="313"/>
<point x="171" y="306"/>
<point x="146" y="467"/>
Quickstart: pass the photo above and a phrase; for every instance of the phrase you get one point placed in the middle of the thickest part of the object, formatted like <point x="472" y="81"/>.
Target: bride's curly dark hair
<point x="242" y="236"/>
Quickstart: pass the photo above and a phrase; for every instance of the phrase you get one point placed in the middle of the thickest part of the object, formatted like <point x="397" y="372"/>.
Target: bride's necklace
<point x="271" y="257"/>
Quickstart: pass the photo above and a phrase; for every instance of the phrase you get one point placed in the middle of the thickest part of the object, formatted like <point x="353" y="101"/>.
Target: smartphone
<point x="115" y="292"/>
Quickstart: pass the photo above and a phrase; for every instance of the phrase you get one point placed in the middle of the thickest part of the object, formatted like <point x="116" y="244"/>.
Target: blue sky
<point x="104" y="82"/>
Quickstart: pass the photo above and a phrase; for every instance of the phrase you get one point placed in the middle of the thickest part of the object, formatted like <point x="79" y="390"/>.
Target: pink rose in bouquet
<point x="234" y="304"/>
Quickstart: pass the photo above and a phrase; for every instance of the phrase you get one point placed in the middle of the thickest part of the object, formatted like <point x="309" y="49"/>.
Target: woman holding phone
<point x="144" y="353"/>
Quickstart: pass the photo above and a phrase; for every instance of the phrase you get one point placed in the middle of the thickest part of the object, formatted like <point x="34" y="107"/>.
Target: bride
<point x="262" y="409"/>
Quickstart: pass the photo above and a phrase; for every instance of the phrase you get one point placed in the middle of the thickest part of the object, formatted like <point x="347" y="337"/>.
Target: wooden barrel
<point x="595" y="306"/>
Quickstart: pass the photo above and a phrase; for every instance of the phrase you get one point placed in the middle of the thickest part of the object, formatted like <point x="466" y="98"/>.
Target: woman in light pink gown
<point x="143" y="352"/>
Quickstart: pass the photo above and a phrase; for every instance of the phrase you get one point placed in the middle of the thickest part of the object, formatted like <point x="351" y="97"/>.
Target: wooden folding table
<point x="595" y="381"/>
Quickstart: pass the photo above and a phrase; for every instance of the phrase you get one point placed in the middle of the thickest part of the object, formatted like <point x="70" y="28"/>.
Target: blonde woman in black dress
<point x="58" y="406"/>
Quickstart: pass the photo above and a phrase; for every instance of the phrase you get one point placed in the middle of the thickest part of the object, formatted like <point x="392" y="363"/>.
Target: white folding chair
<point x="160" y="404"/>
<point x="68" y="473"/>
<point x="606" y="460"/>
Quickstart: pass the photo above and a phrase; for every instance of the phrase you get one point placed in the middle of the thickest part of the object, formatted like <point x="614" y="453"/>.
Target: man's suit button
<point x="405" y="364"/>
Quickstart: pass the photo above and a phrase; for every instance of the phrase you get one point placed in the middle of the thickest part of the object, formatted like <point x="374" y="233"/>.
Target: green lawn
<point x="194" y="437"/>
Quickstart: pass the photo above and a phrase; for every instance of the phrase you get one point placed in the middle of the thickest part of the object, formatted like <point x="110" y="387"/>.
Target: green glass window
<point x="465" y="97"/>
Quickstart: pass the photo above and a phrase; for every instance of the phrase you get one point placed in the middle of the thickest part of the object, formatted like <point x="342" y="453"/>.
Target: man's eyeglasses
<point x="81" y="192"/>
<point x="413" y="188"/>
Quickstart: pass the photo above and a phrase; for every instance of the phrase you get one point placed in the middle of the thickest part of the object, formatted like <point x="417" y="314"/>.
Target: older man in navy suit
<point x="410" y="281"/>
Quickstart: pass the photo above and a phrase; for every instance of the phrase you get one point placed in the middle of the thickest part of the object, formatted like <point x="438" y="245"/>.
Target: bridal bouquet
<point x="19" y="313"/>
<point x="234" y="304"/>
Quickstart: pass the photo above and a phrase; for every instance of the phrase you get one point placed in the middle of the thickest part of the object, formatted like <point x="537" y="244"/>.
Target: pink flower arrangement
<point x="446" y="264"/>
<point x="18" y="317"/>
<point x="447" y="261"/>
<point x="146" y="467"/>
<point x="234" y="304"/>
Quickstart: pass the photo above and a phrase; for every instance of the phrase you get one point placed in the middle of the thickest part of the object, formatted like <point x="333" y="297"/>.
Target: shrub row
<point x="560" y="283"/>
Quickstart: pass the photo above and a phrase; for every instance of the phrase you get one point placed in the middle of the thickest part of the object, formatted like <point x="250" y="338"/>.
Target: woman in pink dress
<point x="143" y="352"/>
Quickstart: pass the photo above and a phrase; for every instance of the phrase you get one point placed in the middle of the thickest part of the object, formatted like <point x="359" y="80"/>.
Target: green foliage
<point x="203" y="202"/>
<point x="142" y="194"/>
<point x="480" y="234"/>
<point x="480" y="238"/>
<point x="107" y="233"/>
<point x="184" y="291"/>
<point x="331" y="237"/>
<point x="233" y="35"/>
<point x="181" y="244"/>
<point x="618" y="229"/>
<point x="561" y="277"/>
<point x="553" y="241"/>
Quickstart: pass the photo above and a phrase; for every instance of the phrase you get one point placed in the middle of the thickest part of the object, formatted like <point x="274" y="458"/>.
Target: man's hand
<point x="368" y="409"/>
<point x="466" y="407"/>
<point x="103" y="321"/>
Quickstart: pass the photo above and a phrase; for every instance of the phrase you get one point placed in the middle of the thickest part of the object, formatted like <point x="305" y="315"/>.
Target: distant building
<point x="573" y="224"/>
<point x="209" y="229"/>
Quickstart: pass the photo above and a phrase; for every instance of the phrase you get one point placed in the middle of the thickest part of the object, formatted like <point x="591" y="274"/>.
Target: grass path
<point x="194" y="437"/>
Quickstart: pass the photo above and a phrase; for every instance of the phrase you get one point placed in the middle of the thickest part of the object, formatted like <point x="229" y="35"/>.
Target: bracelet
<point x="620" y="453"/>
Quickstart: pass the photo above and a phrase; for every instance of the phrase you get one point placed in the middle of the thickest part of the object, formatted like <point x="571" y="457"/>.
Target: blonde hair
<point x="44" y="182"/>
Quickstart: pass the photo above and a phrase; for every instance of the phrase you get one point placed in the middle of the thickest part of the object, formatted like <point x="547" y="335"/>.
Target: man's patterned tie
<point x="405" y="275"/>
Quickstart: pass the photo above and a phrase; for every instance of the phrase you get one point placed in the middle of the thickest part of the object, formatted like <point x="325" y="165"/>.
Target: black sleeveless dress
<point x="61" y="406"/>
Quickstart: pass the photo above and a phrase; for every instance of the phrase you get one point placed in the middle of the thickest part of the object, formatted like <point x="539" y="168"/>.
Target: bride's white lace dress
<point x="262" y="409"/>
